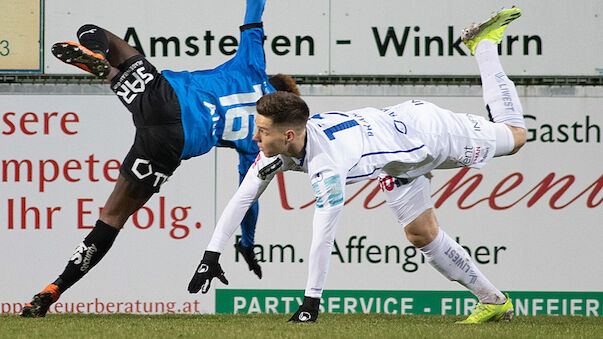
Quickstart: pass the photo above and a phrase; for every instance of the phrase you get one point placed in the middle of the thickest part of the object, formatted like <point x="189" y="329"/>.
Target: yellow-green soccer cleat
<point x="490" y="312"/>
<point x="491" y="29"/>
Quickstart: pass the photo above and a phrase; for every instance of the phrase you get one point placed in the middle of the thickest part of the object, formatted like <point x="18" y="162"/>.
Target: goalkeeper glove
<point x="208" y="269"/>
<point x="249" y="256"/>
<point x="307" y="312"/>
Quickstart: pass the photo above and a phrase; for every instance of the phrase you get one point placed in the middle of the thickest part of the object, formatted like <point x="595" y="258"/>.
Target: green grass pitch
<point x="276" y="326"/>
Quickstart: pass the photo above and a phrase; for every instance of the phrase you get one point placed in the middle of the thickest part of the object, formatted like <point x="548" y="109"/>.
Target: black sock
<point x="89" y="253"/>
<point x="93" y="38"/>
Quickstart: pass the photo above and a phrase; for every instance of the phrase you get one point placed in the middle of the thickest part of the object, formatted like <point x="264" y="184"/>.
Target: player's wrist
<point x="308" y="310"/>
<point x="245" y="27"/>
<point x="312" y="302"/>
<point x="210" y="256"/>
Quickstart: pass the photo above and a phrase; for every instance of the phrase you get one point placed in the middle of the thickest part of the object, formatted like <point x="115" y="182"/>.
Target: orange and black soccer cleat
<point x="77" y="55"/>
<point x="41" y="302"/>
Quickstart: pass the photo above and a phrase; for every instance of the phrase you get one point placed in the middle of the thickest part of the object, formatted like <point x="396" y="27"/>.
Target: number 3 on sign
<point x="4" y="51"/>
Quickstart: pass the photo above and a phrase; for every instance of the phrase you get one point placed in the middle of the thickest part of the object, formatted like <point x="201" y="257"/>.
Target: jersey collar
<point x="300" y="161"/>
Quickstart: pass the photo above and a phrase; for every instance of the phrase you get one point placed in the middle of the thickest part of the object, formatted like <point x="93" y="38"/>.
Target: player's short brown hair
<point x="284" y="108"/>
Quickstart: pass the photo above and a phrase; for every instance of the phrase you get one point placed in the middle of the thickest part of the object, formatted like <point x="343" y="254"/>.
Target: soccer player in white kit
<point x="400" y="145"/>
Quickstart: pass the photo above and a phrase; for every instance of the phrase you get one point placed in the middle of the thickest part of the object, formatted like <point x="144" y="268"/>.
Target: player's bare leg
<point x="125" y="199"/>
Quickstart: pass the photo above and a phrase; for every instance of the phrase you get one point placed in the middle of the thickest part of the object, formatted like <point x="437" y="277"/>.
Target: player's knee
<point x="423" y="229"/>
<point x="414" y="238"/>
<point x="419" y="237"/>
<point x="519" y="138"/>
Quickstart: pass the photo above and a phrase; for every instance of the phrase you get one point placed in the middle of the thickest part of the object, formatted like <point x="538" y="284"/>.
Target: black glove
<point x="249" y="256"/>
<point x="307" y="312"/>
<point x="206" y="271"/>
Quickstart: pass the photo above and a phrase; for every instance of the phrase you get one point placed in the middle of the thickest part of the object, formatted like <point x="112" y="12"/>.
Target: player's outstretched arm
<point x="245" y="245"/>
<point x="257" y="179"/>
<point x="329" y="194"/>
<point x="254" y="11"/>
<point x="255" y="182"/>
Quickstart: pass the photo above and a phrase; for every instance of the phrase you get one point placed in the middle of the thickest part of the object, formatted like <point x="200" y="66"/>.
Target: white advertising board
<point x="59" y="159"/>
<point x="383" y="37"/>
<point x="531" y="221"/>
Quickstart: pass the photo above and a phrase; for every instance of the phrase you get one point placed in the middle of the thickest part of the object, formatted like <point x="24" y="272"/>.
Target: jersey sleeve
<point x="328" y="187"/>
<point x="257" y="179"/>
<point x="251" y="49"/>
<point x="254" y="10"/>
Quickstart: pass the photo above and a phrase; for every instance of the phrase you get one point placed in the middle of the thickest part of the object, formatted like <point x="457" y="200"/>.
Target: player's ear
<point x="290" y="135"/>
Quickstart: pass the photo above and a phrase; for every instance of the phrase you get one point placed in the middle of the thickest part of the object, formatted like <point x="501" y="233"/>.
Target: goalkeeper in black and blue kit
<point x="178" y="115"/>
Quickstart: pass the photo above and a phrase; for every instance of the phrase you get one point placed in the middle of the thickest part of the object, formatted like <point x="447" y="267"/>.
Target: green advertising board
<point x="406" y="302"/>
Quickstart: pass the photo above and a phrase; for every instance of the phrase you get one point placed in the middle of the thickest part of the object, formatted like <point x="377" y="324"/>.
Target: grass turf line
<point x="276" y="325"/>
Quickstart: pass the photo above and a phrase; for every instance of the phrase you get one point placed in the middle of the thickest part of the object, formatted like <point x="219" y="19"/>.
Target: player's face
<point x="271" y="139"/>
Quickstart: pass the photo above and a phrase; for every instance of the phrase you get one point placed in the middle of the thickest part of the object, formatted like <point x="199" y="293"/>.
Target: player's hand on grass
<point x="307" y="312"/>
<point x="208" y="269"/>
<point x="249" y="256"/>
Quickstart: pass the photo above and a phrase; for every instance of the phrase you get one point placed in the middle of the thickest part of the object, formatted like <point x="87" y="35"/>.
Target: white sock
<point x="450" y="259"/>
<point x="500" y="95"/>
<point x="504" y="140"/>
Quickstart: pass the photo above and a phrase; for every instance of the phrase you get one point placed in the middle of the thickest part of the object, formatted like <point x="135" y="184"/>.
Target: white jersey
<point x="405" y="141"/>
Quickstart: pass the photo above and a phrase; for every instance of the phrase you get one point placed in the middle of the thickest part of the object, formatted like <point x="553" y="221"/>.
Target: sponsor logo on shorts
<point x="484" y="154"/>
<point x="132" y="82"/>
<point x="476" y="125"/>
<point x="470" y="153"/>
<point x="474" y="155"/>
<point x="143" y="168"/>
<point x="387" y="183"/>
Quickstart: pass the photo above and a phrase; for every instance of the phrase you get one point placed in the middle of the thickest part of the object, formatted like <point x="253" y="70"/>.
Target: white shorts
<point x="472" y="141"/>
<point x="454" y="140"/>
<point x="407" y="200"/>
<point x="451" y="139"/>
